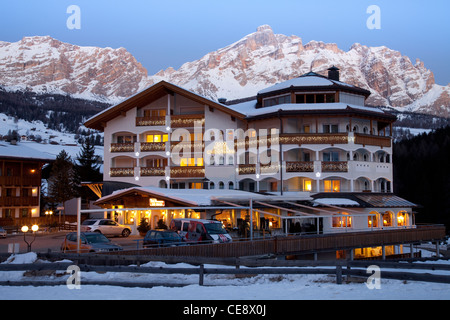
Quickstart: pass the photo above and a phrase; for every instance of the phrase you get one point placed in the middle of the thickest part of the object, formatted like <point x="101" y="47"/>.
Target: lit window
<point x="332" y="185"/>
<point x="342" y="221"/>
<point x="307" y="186"/>
<point x="200" y="162"/>
<point x="183" y="162"/>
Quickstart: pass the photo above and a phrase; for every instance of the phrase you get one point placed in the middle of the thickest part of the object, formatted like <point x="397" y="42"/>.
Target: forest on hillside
<point x="422" y="175"/>
<point x="58" y="112"/>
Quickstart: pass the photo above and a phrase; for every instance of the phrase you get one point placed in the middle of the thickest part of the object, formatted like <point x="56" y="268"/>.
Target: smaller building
<point x="20" y="183"/>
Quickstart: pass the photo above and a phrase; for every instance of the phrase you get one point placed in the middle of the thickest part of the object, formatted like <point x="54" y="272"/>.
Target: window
<point x="331" y="156"/>
<point x="342" y="221"/>
<point x="157" y="137"/>
<point x="154" y="113"/>
<point x="330" y="128"/>
<point x="307" y="185"/>
<point x="402" y="219"/>
<point x="277" y="100"/>
<point x="24" y="212"/>
<point x="306" y="129"/>
<point x="387" y="219"/>
<point x="230" y="185"/>
<point x="332" y="185"/>
<point x="195" y="185"/>
<point x="372" y="221"/>
<point x="126" y="139"/>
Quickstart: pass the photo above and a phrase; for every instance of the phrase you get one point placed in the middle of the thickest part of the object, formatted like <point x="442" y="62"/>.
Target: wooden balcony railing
<point x="371" y="140"/>
<point x="20" y="181"/>
<point x="314" y="138"/>
<point x="299" y="166"/>
<point x="19" y="201"/>
<point x="122" y="147"/>
<point x="187" y="172"/>
<point x="187" y="120"/>
<point x="150" y="121"/>
<point x="121" y="172"/>
<point x="247" y="169"/>
<point x="153" y="146"/>
<point x="152" y="171"/>
<point x="334" y="166"/>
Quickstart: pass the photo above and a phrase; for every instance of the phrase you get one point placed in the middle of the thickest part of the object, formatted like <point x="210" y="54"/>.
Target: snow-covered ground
<point x="217" y="287"/>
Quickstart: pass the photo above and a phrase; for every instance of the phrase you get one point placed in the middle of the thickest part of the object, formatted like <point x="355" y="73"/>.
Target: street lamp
<point x="25" y="229"/>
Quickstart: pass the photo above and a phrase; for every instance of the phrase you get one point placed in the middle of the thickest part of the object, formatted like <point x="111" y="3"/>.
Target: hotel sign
<point x="156" y="203"/>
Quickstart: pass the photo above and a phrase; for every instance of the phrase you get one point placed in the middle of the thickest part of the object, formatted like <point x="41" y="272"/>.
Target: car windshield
<point x="96" y="238"/>
<point x="215" y="228"/>
<point x="88" y="222"/>
<point x="170" y="236"/>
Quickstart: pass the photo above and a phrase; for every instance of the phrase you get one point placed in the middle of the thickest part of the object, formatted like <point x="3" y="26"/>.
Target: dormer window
<point x="277" y="100"/>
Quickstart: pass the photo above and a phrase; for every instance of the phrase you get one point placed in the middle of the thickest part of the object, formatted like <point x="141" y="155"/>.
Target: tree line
<point x="422" y="174"/>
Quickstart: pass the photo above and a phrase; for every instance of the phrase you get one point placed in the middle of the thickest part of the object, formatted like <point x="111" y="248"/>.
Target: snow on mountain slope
<point x="44" y="64"/>
<point x="241" y="69"/>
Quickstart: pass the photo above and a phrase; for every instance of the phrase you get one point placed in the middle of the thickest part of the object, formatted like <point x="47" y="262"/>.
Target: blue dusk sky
<point x="162" y="34"/>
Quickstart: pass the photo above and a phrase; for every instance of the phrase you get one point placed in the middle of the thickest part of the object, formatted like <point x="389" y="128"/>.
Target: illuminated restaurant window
<point x="342" y="221"/>
<point x="332" y="185"/>
<point x="402" y="218"/>
<point x="387" y="219"/>
<point x="372" y="221"/>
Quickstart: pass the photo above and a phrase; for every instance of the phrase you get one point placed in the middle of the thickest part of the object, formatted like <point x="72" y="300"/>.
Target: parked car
<point x="2" y="232"/>
<point x="162" y="238"/>
<point x="107" y="227"/>
<point x="90" y="242"/>
<point x="200" y="230"/>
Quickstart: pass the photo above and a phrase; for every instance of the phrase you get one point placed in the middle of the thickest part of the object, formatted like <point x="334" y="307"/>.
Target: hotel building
<point x="307" y="154"/>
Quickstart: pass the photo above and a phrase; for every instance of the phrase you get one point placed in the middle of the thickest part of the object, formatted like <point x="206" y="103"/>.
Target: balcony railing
<point x="150" y="121"/>
<point x="18" y="201"/>
<point x="299" y="166"/>
<point x="187" y="120"/>
<point x="334" y="166"/>
<point x="187" y="172"/>
<point x="247" y="169"/>
<point x="371" y="140"/>
<point x="153" y="146"/>
<point x="121" y="172"/>
<point x="152" y="171"/>
<point x="122" y="147"/>
<point x="314" y="138"/>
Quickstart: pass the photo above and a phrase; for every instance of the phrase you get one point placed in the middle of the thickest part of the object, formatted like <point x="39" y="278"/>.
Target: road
<point x="45" y="241"/>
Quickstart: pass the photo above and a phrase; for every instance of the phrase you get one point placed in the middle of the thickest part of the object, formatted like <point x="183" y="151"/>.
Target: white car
<point x="2" y="232"/>
<point x="105" y="226"/>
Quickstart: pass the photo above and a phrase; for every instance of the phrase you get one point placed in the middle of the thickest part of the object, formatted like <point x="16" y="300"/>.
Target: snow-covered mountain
<point x="260" y="59"/>
<point x="46" y="65"/>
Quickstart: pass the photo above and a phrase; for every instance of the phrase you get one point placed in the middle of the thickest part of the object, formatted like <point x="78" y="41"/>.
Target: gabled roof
<point x="148" y="95"/>
<point x="22" y="152"/>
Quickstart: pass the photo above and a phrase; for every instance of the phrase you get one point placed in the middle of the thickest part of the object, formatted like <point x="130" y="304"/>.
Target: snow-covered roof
<point x="308" y="80"/>
<point x="336" y="201"/>
<point x="249" y="107"/>
<point x="206" y="197"/>
<point x="8" y="150"/>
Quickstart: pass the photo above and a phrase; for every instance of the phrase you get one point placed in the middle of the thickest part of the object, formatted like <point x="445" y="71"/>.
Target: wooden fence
<point x="302" y="244"/>
<point x="339" y="268"/>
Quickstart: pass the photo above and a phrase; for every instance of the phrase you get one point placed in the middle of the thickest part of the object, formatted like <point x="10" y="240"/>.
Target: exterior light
<point x="24" y="229"/>
<point x="136" y="178"/>
<point x="137" y="154"/>
<point x="167" y="178"/>
<point x="167" y="128"/>
<point x="35" y="228"/>
<point x="168" y="153"/>
<point x="318" y="174"/>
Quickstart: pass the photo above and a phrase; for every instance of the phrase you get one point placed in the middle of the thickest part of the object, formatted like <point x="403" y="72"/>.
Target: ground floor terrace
<point x="252" y="215"/>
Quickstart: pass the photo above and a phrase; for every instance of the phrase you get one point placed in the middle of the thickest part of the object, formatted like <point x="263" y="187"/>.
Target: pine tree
<point x="62" y="180"/>
<point x="87" y="168"/>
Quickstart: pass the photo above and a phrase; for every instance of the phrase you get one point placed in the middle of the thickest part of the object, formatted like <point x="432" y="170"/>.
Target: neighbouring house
<point x="20" y="183"/>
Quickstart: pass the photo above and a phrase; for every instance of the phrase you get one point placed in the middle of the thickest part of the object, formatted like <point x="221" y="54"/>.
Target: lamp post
<point x="25" y="229"/>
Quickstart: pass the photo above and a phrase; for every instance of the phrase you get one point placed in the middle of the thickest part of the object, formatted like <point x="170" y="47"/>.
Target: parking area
<point x="52" y="241"/>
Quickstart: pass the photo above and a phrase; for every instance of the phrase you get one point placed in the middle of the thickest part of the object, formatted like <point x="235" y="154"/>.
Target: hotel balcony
<point x="152" y="172"/>
<point x="6" y="201"/>
<point x="121" y="172"/>
<point x="122" y="147"/>
<point x="152" y="146"/>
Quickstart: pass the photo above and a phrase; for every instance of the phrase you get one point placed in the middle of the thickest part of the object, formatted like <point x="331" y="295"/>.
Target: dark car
<point x="90" y="242"/>
<point x="162" y="238"/>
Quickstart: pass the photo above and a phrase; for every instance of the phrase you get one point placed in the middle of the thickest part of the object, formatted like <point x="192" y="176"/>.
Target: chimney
<point x="222" y="100"/>
<point x="333" y="73"/>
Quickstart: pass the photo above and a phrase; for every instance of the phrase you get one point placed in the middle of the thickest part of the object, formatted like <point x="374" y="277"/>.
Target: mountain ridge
<point x="241" y="69"/>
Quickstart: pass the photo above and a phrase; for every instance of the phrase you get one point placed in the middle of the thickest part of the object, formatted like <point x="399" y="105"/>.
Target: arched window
<point x="387" y="219"/>
<point x="211" y="185"/>
<point x="231" y="185"/>
<point x="402" y="219"/>
<point x="221" y="185"/>
<point x="372" y="220"/>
